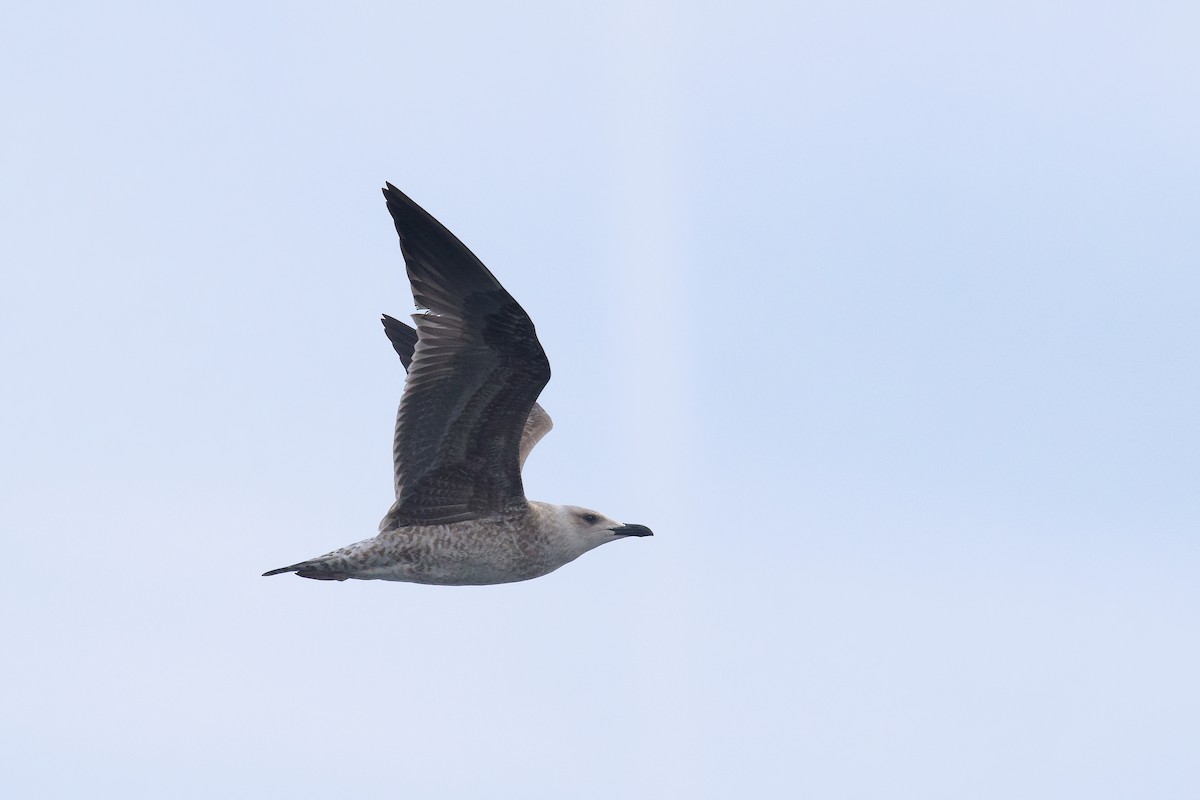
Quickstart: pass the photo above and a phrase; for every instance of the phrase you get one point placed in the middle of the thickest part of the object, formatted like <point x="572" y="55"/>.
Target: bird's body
<point x="500" y="549"/>
<point x="467" y="420"/>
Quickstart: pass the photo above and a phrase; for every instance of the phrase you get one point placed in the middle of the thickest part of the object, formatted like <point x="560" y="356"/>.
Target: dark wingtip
<point x="394" y="195"/>
<point x="306" y="570"/>
<point x="318" y="575"/>
<point x="441" y="269"/>
<point x="402" y="337"/>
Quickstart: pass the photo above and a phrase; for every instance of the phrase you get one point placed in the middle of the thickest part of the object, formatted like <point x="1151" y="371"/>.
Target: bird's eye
<point x="590" y="519"/>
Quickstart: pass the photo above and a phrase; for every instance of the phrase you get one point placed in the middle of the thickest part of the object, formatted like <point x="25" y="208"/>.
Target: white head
<point x="577" y="530"/>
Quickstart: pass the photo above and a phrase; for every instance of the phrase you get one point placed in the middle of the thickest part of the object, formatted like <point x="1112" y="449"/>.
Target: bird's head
<point x="581" y="529"/>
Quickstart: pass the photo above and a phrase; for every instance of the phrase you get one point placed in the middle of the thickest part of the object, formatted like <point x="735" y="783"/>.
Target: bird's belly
<point x="451" y="556"/>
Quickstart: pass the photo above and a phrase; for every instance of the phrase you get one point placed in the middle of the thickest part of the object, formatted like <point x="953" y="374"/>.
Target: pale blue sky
<point x="884" y="316"/>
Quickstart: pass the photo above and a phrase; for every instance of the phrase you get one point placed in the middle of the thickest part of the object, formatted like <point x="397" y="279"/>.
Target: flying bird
<point x="468" y="418"/>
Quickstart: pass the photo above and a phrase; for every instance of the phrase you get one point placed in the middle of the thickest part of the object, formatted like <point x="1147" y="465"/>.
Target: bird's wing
<point x="403" y="338"/>
<point x="404" y="341"/>
<point x="476" y="371"/>
<point x="537" y="425"/>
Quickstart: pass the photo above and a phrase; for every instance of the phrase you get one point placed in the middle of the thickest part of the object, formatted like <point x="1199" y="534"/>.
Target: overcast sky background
<point x="884" y="316"/>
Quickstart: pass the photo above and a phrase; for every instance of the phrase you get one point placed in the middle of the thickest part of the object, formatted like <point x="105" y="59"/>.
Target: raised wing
<point x="404" y="340"/>
<point x="476" y="371"/>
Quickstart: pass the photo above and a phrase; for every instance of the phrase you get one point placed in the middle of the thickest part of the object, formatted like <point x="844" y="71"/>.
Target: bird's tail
<point x="318" y="569"/>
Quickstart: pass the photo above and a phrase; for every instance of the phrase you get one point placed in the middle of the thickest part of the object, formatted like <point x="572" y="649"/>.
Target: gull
<point x="467" y="420"/>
